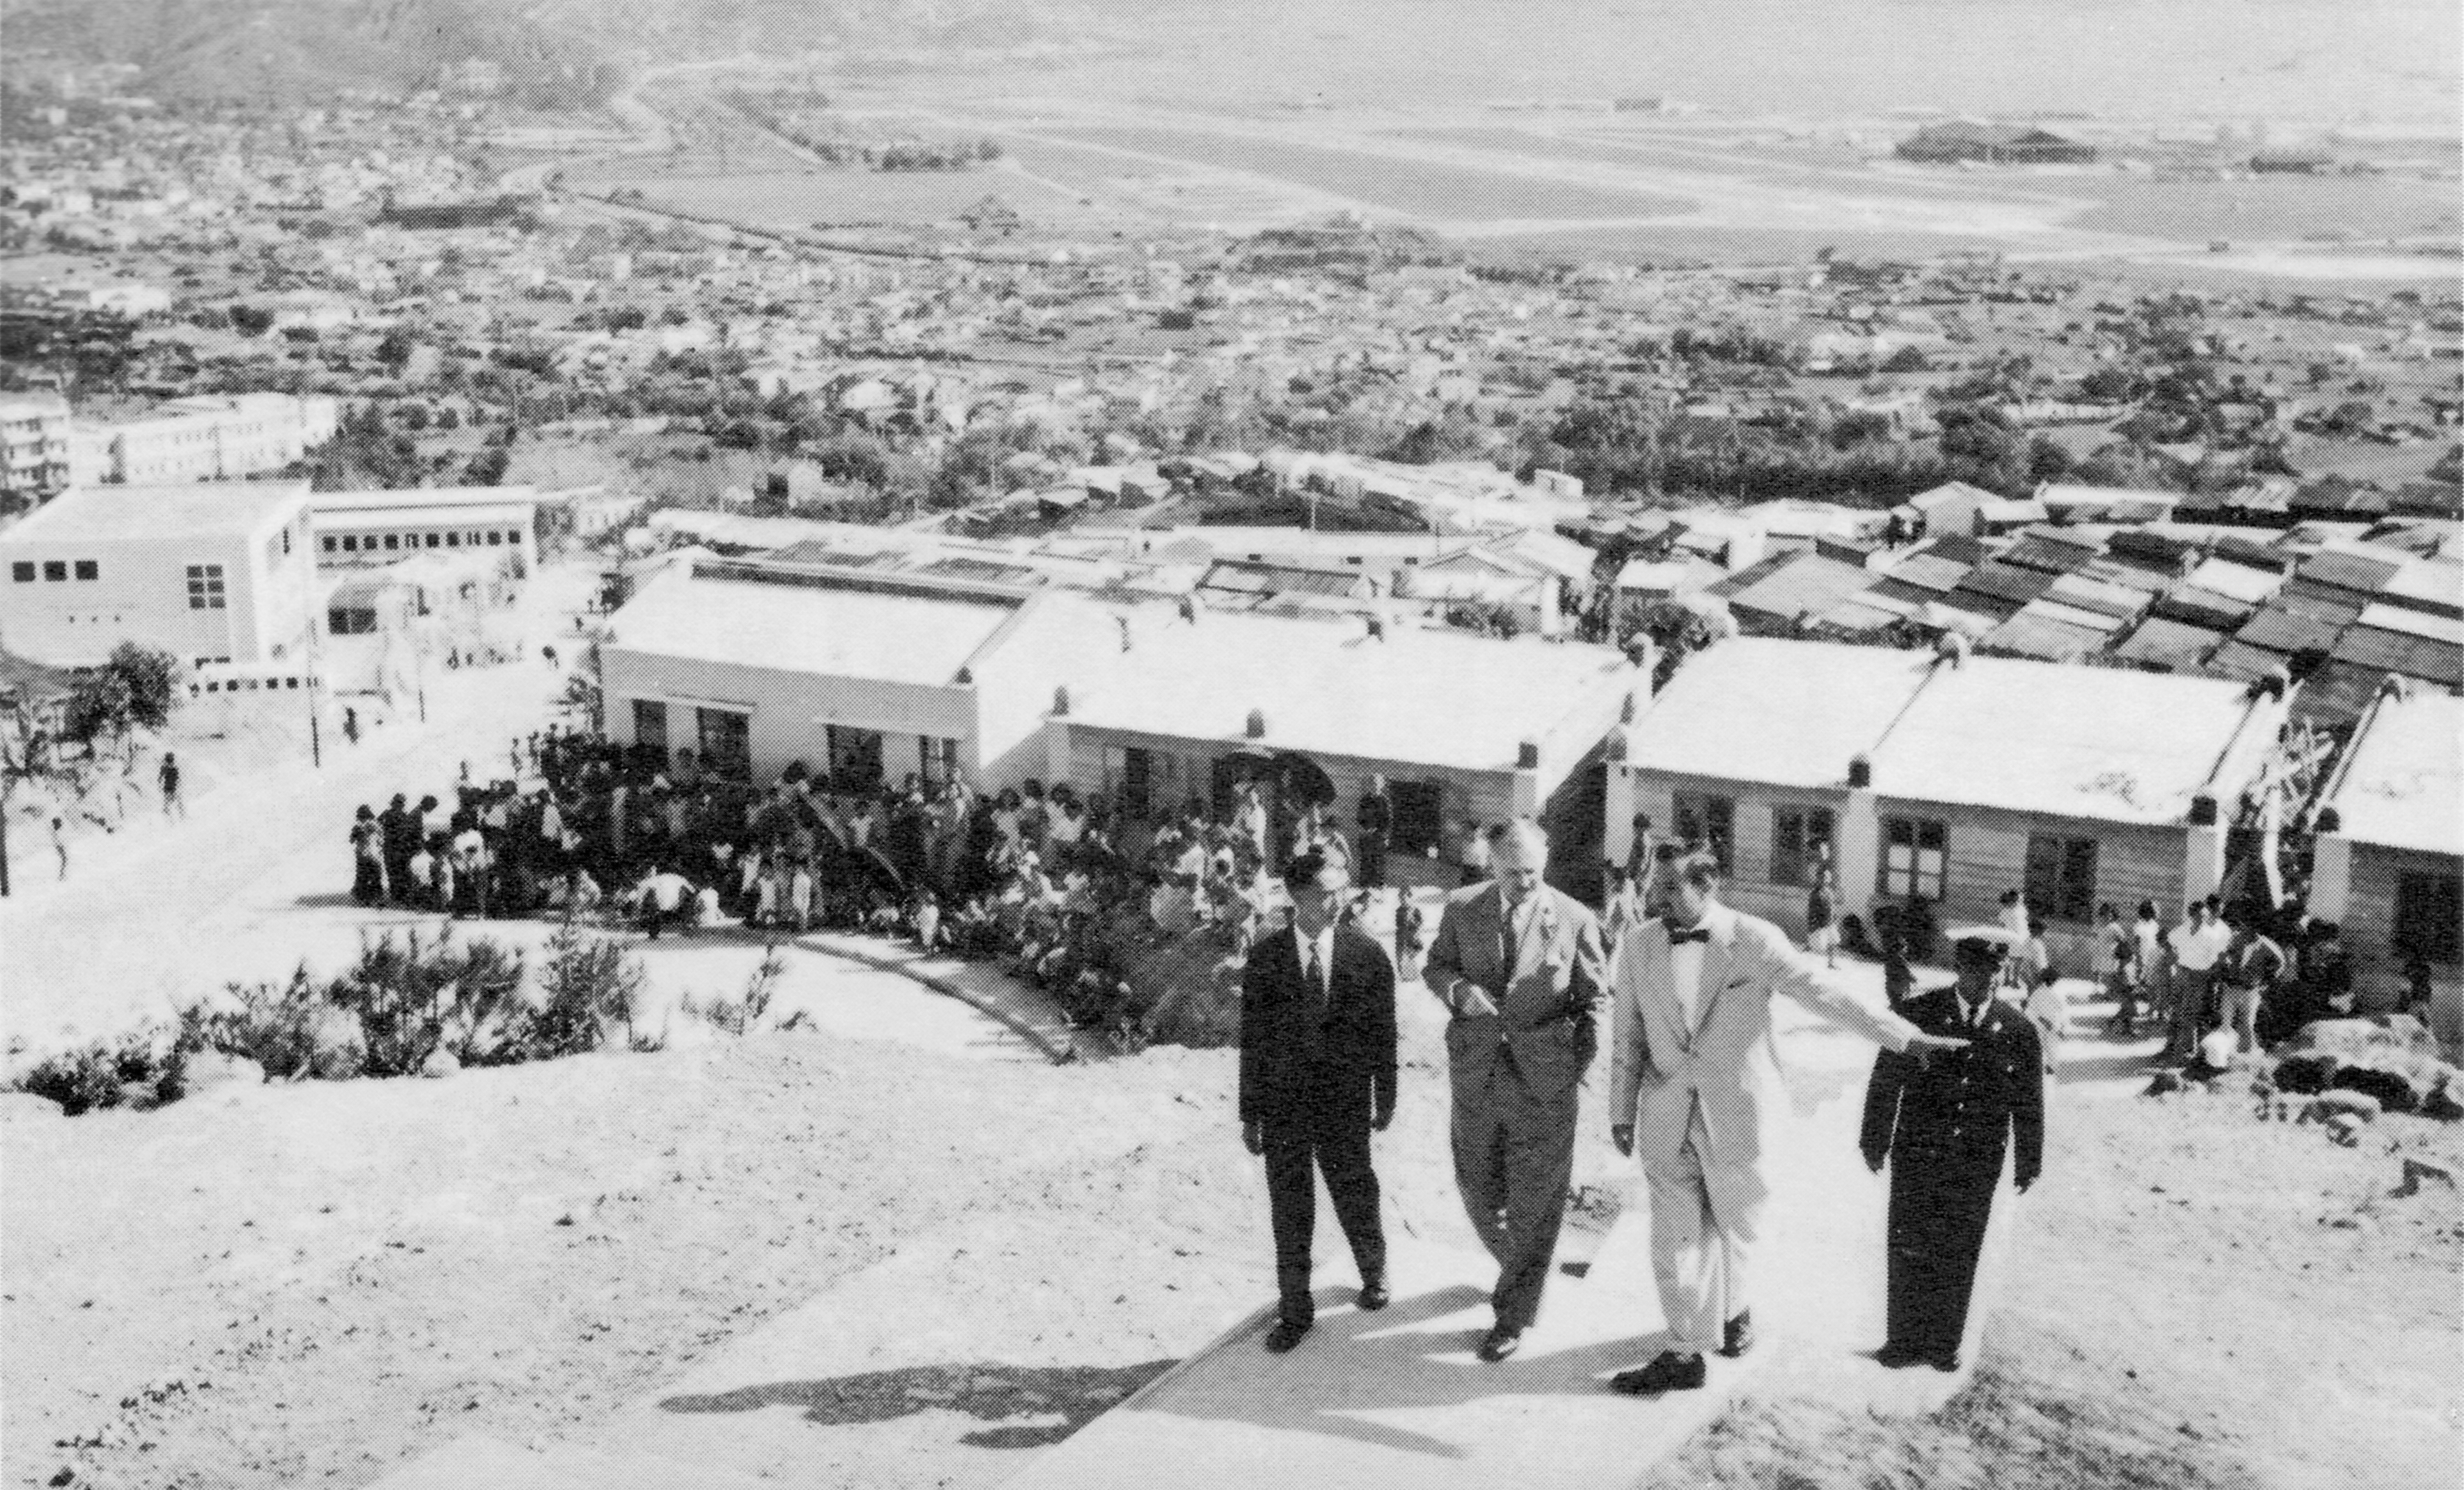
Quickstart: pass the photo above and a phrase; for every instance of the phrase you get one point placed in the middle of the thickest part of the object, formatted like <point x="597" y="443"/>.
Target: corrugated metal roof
<point x="2242" y="662"/>
<point x="2336" y="694"/>
<point x="2052" y="555"/>
<point x="2194" y="607"/>
<point x="2421" y="657"/>
<point x="2169" y="644"/>
<point x="2006" y="582"/>
<point x="2025" y="635"/>
<point x="2119" y="601"/>
<point x="1808" y="584"/>
<point x="2136" y="577"/>
<point x="2348" y="571"/>
<point x="2289" y="631"/>
<point x="1929" y="572"/>
<point x="2048" y="608"/>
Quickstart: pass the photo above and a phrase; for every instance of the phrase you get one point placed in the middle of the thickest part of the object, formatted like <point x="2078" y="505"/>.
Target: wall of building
<point x="1015" y="675"/>
<point x="139" y="593"/>
<point x="1750" y="886"/>
<point x="2368" y="919"/>
<point x="789" y="711"/>
<point x="358" y="539"/>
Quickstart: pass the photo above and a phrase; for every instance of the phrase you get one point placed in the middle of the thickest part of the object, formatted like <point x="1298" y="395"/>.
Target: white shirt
<point x="1686" y="974"/>
<point x="1324" y="942"/>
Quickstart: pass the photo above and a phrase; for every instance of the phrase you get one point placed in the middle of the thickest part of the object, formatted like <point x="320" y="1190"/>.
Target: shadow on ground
<point x="1073" y="1395"/>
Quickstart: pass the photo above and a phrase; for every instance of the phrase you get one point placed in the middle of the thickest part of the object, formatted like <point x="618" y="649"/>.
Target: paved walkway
<point x="1029" y="1011"/>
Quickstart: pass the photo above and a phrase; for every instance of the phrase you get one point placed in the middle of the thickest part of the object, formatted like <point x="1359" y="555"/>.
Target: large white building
<point x="364" y="529"/>
<point x="212" y="572"/>
<point x="33" y="444"/>
<point x="208" y="438"/>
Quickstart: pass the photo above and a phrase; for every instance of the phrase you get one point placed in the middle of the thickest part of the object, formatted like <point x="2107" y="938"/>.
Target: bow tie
<point x="1678" y="936"/>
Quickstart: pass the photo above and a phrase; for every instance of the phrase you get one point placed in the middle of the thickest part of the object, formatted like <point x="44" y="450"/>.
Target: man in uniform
<point x="1521" y="967"/>
<point x="1317" y="1076"/>
<point x="1944" y="1128"/>
<point x="1695" y="1084"/>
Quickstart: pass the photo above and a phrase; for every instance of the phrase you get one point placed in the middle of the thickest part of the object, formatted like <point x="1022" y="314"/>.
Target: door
<point x="1137" y="781"/>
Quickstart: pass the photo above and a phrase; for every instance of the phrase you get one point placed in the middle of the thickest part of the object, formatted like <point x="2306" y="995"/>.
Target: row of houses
<point x="205" y="438"/>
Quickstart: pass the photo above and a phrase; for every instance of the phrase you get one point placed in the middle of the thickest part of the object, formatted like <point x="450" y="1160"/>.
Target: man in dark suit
<point x="1521" y="967"/>
<point x="1317" y="1077"/>
<point x="1943" y="1125"/>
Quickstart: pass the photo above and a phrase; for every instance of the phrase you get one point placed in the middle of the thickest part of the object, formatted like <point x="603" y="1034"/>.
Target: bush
<point x="272" y="1024"/>
<point x="414" y="997"/>
<point x="140" y="1069"/>
<point x="738" y="1016"/>
<point x="588" y="987"/>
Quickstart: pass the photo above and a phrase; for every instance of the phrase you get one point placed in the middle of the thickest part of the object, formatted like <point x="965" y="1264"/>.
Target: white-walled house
<point x="755" y="666"/>
<point x="212" y="572"/>
<point x="359" y="529"/>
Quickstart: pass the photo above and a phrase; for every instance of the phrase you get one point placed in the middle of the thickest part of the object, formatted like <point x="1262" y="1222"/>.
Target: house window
<point x="286" y="540"/>
<point x="22" y="570"/>
<point x="55" y="569"/>
<point x="494" y="538"/>
<point x="350" y="621"/>
<point x="1419" y="815"/>
<point x="452" y="541"/>
<point x="206" y="587"/>
<point x="393" y="540"/>
<point x="350" y="543"/>
<point x="431" y="540"/>
<point x="331" y="544"/>
<point x="1916" y="858"/>
<point x="2428" y="908"/>
<point x="855" y="756"/>
<point x="650" y="723"/>
<point x="2062" y="877"/>
<point x="938" y="760"/>
<point x="726" y="742"/>
<point x="1799" y="837"/>
<point x="89" y="569"/>
<point x="1710" y="823"/>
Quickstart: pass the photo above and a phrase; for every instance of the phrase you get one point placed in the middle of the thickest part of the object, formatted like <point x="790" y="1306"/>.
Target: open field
<point x="2357" y="208"/>
<point x="803" y="197"/>
<point x="1421" y="187"/>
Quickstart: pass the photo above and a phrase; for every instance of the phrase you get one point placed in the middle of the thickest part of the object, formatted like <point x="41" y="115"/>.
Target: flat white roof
<point x="355" y="503"/>
<point x="2402" y="784"/>
<point x="1781" y="713"/>
<point x="2071" y="741"/>
<point x="1439" y="698"/>
<point x="128" y="513"/>
<point x="886" y="636"/>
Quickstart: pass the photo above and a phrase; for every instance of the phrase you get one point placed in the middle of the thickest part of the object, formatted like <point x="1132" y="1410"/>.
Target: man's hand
<point x="1923" y="1045"/>
<point x="1622" y="1134"/>
<point x="1874" y="1162"/>
<point x="1469" y="998"/>
<point x="1253" y="1137"/>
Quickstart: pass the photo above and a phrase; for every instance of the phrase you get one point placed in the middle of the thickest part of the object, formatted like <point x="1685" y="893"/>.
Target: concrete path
<point x="1027" y="1009"/>
<point x="1398" y="1397"/>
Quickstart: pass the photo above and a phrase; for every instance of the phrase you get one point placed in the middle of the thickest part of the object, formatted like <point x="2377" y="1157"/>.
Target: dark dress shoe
<point x="1286" y="1334"/>
<point x="1946" y="1362"/>
<point x="1895" y="1356"/>
<point x="1374" y="1295"/>
<point x="1500" y="1343"/>
<point x="1668" y="1371"/>
<point x="1737" y="1336"/>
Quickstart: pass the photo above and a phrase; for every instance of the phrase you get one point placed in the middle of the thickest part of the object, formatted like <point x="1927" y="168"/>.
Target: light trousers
<point x="1704" y="1222"/>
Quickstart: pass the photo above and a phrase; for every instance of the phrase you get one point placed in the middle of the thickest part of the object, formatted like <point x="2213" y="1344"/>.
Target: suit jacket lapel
<point x="1715" y="971"/>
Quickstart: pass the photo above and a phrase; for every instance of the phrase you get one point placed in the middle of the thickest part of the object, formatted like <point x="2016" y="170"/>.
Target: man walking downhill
<point x="1521" y="967"/>
<point x="1695" y="1084"/>
<point x="167" y="776"/>
<point x="1317" y="1077"/>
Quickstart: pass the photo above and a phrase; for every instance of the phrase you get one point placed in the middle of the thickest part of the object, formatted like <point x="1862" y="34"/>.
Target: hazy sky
<point x="2389" y="59"/>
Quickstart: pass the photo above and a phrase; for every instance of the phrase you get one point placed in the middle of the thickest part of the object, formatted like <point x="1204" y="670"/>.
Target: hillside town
<point x="1042" y="612"/>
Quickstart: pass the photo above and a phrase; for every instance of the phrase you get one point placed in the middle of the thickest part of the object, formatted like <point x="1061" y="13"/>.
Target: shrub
<point x="272" y="1024"/>
<point x="415" y="996"/>
<point x="588" y="986"/>
<point x="738" y="1016"/>
<point x="139" y="1069"/>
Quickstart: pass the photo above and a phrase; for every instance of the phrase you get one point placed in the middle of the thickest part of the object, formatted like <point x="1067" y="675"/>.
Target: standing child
<point x="168" y="777"/>
<point x="1821" y="932"/>
<point x="799" y="895"/>
<point x="928" y="920"/>
<point x="1409" y="942"/>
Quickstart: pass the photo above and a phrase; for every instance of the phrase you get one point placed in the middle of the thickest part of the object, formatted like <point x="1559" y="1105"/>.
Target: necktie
<point x="1506" y="936"/>
<point x="1316" y="977"/>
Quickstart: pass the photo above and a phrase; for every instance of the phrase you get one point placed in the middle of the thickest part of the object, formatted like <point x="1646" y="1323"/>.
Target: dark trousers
<point x="1298" y="1149"/>
<point x="1939" y="1208"/>
<point x="1514" y="1154"/>
<point x="1372" y="857"/>
<point x="655" y="920"/>
<point x="368" y="880"/>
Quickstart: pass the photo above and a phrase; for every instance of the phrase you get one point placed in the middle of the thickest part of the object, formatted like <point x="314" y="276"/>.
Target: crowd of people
<point x="1064" y="886"/>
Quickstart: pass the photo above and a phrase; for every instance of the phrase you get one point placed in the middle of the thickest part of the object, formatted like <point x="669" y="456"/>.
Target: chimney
<point x="1860" y="773"/>
<point x="1060" y="701"/>
<point x="1376" y="628"/>
<point x="1257" y="730"/>
<point x="1527" y="755"/>
<point x="2203" y="811"/>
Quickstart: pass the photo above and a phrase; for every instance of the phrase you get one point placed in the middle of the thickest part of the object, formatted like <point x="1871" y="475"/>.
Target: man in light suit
<point x="1521" y="967"/>
<point x="1693" y="1072"/>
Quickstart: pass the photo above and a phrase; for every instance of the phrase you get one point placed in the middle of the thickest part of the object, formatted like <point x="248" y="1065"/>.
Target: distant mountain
<point x="549" y="50"/>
